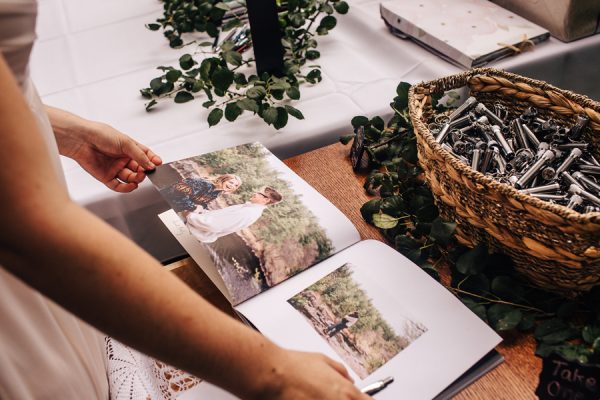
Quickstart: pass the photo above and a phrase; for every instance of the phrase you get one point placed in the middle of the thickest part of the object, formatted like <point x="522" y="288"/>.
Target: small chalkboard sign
<point x="568" y="380"/>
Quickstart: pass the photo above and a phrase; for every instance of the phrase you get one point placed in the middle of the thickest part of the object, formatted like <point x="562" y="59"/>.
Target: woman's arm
<point x="92" y="270"/>
<point x="108" y="155"/>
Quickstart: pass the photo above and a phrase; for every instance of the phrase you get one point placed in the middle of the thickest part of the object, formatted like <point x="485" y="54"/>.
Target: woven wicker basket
<point x="556" y="248"/>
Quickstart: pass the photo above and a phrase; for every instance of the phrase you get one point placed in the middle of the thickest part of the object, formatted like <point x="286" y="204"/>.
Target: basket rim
<point x="421" y="129"/>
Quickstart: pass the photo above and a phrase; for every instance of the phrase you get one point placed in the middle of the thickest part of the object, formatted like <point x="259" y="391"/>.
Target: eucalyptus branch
<point x="267" y="96"/>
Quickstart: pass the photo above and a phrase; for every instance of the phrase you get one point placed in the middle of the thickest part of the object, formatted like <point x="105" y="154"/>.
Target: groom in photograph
<point x="210" y="225"/>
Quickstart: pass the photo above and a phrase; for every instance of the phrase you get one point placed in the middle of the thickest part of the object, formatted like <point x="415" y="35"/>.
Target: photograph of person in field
<point x="356" y="319"/>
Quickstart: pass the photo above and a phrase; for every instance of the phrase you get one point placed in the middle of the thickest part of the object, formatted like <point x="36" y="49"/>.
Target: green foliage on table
<point x="486" y="283"/>
<point x="223" y="79"/>
<point x="288" y="225"/>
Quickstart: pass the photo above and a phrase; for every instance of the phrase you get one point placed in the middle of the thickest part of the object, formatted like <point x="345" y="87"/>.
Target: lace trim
<point x="135" y="376"/>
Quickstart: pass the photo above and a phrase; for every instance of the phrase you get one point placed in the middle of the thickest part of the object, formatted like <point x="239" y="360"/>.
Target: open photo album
<point x="294" y="267"/>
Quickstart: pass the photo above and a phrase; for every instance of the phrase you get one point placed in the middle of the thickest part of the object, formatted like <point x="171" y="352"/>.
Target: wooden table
<point x="328" y="170"/>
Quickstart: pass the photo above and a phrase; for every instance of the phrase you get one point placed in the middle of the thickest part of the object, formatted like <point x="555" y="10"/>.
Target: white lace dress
<point x="46" y="352"/>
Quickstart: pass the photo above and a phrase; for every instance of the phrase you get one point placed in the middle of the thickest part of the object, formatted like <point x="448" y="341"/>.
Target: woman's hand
<point x="309" y="376"/>
<point x="108" y="155"/>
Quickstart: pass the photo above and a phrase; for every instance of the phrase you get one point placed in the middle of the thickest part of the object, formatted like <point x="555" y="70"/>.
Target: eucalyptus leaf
<point x="359" y="120"/>
<point x="384" y="221"/>
<point x="248" y="105"/>
<point x="257" y="93"/>
<point x="183" y="97"/>
<point x="233" y="57"/>
<point x="328" y="22"/>
<point x="590" y="333"/>
<point x="504" y="317"/>
<point x="341" y="7"/>
<point x="270" y="115"/>
<point x="477" y="308"/>
<point x="215" y="116"/>
<point x="369" y="208"/>
<point x="442" y="232"/>
<point x="150" y="104"/>
<point x="282" y="118"/>
<point x="294" y="112"/>
<point x="222" y="78"/>
<point x="232" y="111"/>
<point x="473" y="261"/>
<point x="554" y="331"/>
<point x="208" y="104"/>
<point x="173" y="75"/>
<point x="293" y="93"/>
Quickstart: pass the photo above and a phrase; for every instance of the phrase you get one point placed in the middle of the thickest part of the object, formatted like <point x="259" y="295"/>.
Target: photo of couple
<point x="191" y="197"/>
<point x="239" y="205"/>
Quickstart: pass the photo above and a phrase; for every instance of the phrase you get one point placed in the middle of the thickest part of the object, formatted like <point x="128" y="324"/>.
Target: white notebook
<point x="470" y="33"/>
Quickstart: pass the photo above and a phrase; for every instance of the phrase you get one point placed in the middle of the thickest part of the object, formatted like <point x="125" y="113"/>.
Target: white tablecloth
<point x="93" y="57"/>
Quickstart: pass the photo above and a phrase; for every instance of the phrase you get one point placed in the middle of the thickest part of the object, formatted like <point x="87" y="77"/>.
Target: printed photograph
<point x="246" y="214"/>
<point x="355" y="320"/>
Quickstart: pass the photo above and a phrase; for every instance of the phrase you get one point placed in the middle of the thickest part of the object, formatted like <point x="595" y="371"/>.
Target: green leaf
<point x="233" y="57"/>
<point x="293" y="93"/>
<point x="146" y="93"/>
<point x="173" y="75"/>
<point x="156" y="84"/>
<point x="312" y="54"/>
<point x="408" y="246"/>
<point x="240" y="78"/>
<point x="341" y="7"/>
<point x="377" y="123"/>
<point x="394" y="206"/>
<point x="256" y="93"/>
<point x="215" y="116"/>
<point x="232" y="23"/>
<point x="590" y="333"/>
<point x="222" y="6"/>
<point x="314" y="76"/>
<point x="503" y="317"/>
<point x="527" y="322"/>
<point x="294" y="112"/>
<point x="359" y="120"/>
<point x="384" y="221"/>
<point x="321" y="31"/>
<point x="208" y="104"/>
<point x="183" y="97"/>
<point x="503" y="286"/>
<point x="175" y="42"/>
<point x="442" y="231"/>
<point x="150" y="104"/>
<point x="186" y="61"/>
<point x="478" y="309"/>
<point x="345" y="139"/>
<point x="402" y="91"/>
<point x="270" y="115"/>
<point x="232" y="111"/>
<point x="282" y="118"/>
<point x="328" y="22"/>
<point x="296" y="19"/>
<point x="554" y="331"/>
<point x="473" y="261"/>
<point x="222" y="78"/>
<point x="248" y="105"/>
<point x="369" y="208"/>
<point x="153" y="27"/>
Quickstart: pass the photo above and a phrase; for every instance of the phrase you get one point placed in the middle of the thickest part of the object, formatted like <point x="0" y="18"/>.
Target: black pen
<point x="377" y="386"/>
